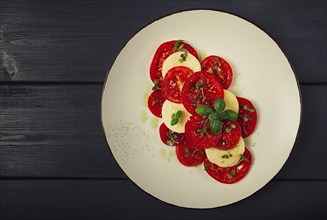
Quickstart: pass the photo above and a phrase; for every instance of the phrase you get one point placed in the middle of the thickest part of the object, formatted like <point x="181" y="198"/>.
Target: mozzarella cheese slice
<point x="226" y="158"/>
<point x="169" y="108"/>
<point x="176" y="59"/>
<point x="231" y="101"/>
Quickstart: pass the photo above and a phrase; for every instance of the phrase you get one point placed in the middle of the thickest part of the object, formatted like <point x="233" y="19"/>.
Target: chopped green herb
<point x="199" y="84"/>
<point x="218" y="63"/>
<point x="156" y="84"/>
<point x="171" y="135"/>
<point x="178" y="45"/>
<point x="187" y="152"/>
<point x="231" y="174"/>
<point x="246" y="107"/>
<point x="206" y="166"/>
<point x="195" y="101"/>
<point x="245" y="117"/>
<point x="243" y="158"/>
<point x="227" y="155"/>
<point x="183" y="57"/>
<point x="154" y="102"/>
<point x="229" y="129"/>
<point x="202" y="130"/>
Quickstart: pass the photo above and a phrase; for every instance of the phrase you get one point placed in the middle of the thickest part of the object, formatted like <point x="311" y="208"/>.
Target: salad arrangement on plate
<point x="202" y="119"/>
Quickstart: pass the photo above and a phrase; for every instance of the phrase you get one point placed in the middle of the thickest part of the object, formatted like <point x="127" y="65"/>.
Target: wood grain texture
<point x="55" y="131"/>
<point x="123" y="200"/>
<point x="49" y="40"/>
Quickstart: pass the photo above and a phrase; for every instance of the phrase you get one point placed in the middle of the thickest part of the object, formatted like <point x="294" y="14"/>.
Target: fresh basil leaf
<point x="215" y="126"/>
<point x="204" y="110"/>
<point x="231" y="115"/>
<point x="174" y="121"/>
<point x="219" y="105"/>
<point x="178" y="114"/>
<point x="214" y="116"/>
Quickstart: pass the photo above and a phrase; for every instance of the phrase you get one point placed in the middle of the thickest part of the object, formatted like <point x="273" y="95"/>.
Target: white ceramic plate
<point x="262" y="73"/>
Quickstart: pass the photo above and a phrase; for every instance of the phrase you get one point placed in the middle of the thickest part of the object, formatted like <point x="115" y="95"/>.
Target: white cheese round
<point x="169" y="108"/>
<point x="176" y="59"/>
<point x="226" y="158"/>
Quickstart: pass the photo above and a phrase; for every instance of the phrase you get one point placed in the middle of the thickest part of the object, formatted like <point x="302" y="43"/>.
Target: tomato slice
<point x="164" y="51"/>
<point x="231" y="134"/>
<point x="232" y="174"/>
<point x="201" y="88"/>
<point x="247" y="116"/>
<point x="170" y="137"/>
<point x="220" y="68"/>
<point x="197" y="132"/>
<point x="189" y="156"/>
<point x="155" y="102"/>
<point x="173" y="82"/>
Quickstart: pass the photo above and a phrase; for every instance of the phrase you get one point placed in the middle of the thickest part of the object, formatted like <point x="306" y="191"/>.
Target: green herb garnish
<point x="172" y="136"/>
<point x="175" y="118"/>
<point x="216" y="59"/>
<point x="245" y="117"/>
<point x="187" y="152"/>
<point x="178" y="45"/>
<point x="183" y="57"/>
<point x="216" y="114"/>
<point x="156" y="84"/>
<point x="227" y="155"/>
<point x="243" y="158"/>
<point x="206" y="166"/>
<point x="230" y="128"/>
<point x="154" y="102"/>
<point x="231" y="174"/>
<point x="246" y="107"/>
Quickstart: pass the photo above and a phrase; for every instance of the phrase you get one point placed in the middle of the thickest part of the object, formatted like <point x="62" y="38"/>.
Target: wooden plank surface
<point x="54" y="160"/>
<point x="49" y="40"/>
<point x="123" y="200"/>
<point x="55" y="131"/>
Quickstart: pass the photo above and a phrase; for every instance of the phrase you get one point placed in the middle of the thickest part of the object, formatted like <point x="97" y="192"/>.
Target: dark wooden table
<point x="54" y="161"/>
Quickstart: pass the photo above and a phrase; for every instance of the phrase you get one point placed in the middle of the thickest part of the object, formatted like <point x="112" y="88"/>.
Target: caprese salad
<point x="202" y="119"/>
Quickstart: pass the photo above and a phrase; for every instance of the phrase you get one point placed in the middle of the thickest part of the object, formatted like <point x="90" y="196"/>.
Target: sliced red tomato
<point x="164" y="51"/>
<point x="155" y="102"/>
<point x="189" y="156"/>
<point x="173" y="82"/>
<point x="201" y="88"/>
<point x="229" y="174"/>
<point x="231" y="134"/>
<point x="170" y="137"/>
<point x="220" y="68"/>
<point x="247" y="116"/>
<point x="198" y="133"/>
